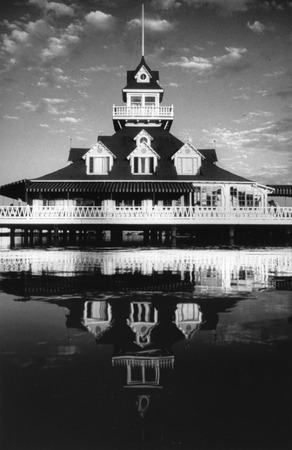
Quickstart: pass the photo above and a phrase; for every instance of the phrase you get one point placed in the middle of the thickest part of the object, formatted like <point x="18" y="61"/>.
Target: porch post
<point x="146" y="236"/>
<point x="12" y="237"/>
<point x="288" y="235"/>
<point x="173" y="235"/>
<point x="231" y="235"/>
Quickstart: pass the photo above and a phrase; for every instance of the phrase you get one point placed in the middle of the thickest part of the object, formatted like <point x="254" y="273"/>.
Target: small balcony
<point x="143" y="112"/>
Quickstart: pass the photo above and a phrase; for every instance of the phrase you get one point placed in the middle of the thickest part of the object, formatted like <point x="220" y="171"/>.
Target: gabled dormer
<point x="143" y="75"/>
<point x="143" y="159"/>
<point x="142" y="96"/>
<point x="99" y="160"/>
<point x="143" y="138"/>
<point x="187" y="160"/>
<point x="144" y="80"/>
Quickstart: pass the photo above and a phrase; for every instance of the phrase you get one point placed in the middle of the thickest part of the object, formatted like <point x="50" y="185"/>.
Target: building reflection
<point x="202" y="272"/>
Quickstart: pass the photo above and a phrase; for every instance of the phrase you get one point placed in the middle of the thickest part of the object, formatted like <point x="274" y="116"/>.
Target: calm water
<point x="145" y="348"/>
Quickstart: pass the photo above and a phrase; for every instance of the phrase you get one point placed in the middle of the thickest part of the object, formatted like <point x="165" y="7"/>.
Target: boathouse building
<point x="141" y="177"/>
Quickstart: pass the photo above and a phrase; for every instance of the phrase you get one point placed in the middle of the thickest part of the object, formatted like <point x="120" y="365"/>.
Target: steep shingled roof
<point x="133" y="84"/>
<point x="122" y="143"/>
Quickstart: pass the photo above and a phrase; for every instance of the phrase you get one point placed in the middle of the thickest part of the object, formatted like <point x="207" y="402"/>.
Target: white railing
<point x="142" y="215"/>
<point x="146" y="111"/>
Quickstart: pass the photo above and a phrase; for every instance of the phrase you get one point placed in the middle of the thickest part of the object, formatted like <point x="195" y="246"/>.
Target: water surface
<point x="126" y="348"/>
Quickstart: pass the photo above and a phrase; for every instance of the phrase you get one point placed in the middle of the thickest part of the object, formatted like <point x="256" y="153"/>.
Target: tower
<point x="143" y="96"/>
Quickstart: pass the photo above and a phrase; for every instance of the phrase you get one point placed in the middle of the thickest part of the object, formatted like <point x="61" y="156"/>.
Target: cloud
<point x="165" y="5"/>
<point x="38" y="43"/>
<point x="155" y="25"/>
<point x="59" y="47"/>
<point x="49" y="105"/>
<point x="269" y="142"/>
<point x="100" y="20"/>
<point x="69" y="120"/>
<point x="216" y="65"/>
<point x="257" y="27"/>
<point x="222" y="6"/>
<point x="252" y="116"/>
<point x="227" y="5"/>
<point x="60" y="9"/>
<point x="54" y="77"/>
<point x="102" y="68"/>
<point x="277" y="73"/>
<point x="10" y="117"/>
<point x="284" y="93"/>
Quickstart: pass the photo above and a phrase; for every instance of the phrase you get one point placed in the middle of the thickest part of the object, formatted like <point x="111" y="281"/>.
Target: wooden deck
<point x="18" y="216"/>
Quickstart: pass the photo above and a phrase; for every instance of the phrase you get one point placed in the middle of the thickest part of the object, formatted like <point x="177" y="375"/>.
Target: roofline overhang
<point x="110" y="181"/>
<point x="136" y="90"/>
<point x="262" y="186"/>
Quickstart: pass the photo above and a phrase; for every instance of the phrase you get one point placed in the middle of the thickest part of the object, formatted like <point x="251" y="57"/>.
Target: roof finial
<point x="143" y="29"/>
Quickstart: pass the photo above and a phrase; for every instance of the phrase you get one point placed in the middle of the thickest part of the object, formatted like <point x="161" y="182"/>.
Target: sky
<point x="225" y="66"/>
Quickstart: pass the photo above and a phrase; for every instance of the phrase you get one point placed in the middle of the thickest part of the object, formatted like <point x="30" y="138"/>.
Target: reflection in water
<point x="180" y="348"/>
<point x="60" y="272"/>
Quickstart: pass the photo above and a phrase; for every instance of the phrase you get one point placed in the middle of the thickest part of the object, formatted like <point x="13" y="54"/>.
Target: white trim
<point x="143" y="90"/>
<point x="96" y="146"/>
<point x="192" y="147"/>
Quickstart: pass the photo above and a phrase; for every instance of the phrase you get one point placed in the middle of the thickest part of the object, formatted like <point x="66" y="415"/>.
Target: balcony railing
<point x="29" y="215"/>
<point x="133" y="112"/>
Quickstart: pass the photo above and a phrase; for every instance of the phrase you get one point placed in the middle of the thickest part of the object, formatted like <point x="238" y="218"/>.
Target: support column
<point x="12" y="237"/>
<point x="173" y="236"/>
<point x="146" y="237"/>
<point x="117" y="236"/>
<point x="40" y="236"/>
<point x="231" y="234"/>
<point x="288" y="235"/>
<point x="153" y="235"/>
<point x="25" y="237"/>
<point x="65" y="235"/>
<point x="72" y="235"/>
<point x="49" y="236"/>
<point x="31" y="236"/>
<point x="56" y="235"/>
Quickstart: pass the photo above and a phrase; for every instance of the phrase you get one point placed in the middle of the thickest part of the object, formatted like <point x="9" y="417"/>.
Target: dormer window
<point x="143" y="140"/>
<point x="187" y="160"/>
<point x="143" y="76"/>
<point x="187" y="166"/>
<point x="143" y="159"/>
<point x="143" y="165"/>
<point x="99" y="165"/>
<point x="99" y="160"/>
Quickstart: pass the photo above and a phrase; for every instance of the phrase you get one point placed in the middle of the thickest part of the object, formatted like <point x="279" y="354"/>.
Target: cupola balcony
<point x="143" y="113"/>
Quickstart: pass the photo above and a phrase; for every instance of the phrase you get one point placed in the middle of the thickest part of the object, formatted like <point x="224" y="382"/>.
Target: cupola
<point x="143" y="96"/>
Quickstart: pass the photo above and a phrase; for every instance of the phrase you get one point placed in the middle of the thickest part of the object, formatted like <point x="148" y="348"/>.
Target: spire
<point x="142" y="23"/>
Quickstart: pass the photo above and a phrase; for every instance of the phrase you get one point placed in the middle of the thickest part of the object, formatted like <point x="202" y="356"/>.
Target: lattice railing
<point x="120" y="213"/>
<point x="146" y="111"/>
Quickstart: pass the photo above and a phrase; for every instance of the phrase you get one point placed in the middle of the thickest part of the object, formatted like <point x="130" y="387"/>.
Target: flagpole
<point x="143" y="29"/>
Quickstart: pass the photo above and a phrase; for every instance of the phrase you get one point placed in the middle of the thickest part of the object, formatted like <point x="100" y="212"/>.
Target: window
<point x="187" y="166"/>
<point x="143" y="100"/>
<point x="143" y="165"/>
<point x="99" y="164"/>
<point x="243" y="198"/>
<point x="136" y="101"/>
<point x="208" y="196"/>
<point x="143" y="140"/>
<point x="149" y="101"/>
